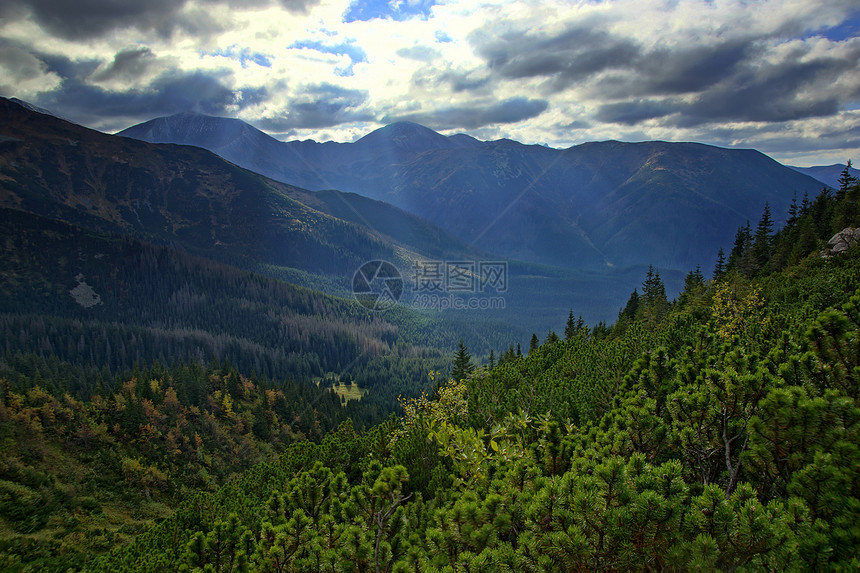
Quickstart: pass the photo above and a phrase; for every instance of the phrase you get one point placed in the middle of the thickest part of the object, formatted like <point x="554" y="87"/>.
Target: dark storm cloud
<point x="787" y="91"/>
<point x="471" y="117"/>
<point x="82" y="19"/>
<point x="127" y="64"/>
<point x="19" y="63"/>
<point x="790" y="90"/>
<point x="567" y="58"/>
<point x="635" y="111"/>
<point x="736" y="79"/>
<point x="575" y="124"/>
<point x="172" y="92"/>
<point x="297" y="6"/>
<point x="580" y="53"/>
<point x="86" y="18"/>
<point x="774" y="139"/>
<point x="71" y="70"/>
<point x="323" y="105"/>
<point x="686" y="69"/>
<point x="448" y="79"/>
<point x="199" y="92"/>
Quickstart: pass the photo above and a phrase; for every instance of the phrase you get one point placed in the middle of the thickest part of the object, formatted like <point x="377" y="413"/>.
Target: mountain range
<point x="592" y="206"/>
<point x="193" y="201"/>
<point x="585" y="222"/>
<point x="180" y="195"/>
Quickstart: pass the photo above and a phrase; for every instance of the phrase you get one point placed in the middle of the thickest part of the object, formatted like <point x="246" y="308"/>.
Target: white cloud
<point x="23" y="73"/>
<point x="704" y="70"/>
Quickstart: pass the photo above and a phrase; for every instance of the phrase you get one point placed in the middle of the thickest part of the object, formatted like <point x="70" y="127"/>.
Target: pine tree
<point x="506" y="355"/>
<point x="793" y="212"/>
<point x="847" y="208"/>
<point x="654" y="303"/>
<point x="652" y="287"/>
<point x="694" y="284"/>
<point x="632" y="306"/>
<point x="806" y="241"/>
<point x="534" y="343"/>
<point x="492" y="361"/>
<point x="741" y="247"/>
<point x="462" y="363"/>
<point x="761" y="249"/>
<point x="821" y="211"/>
<point x="804" y="205"/>
<point x="846" y="180"/>
<point x="570" y="327"/>
<point x="720" y="267"/>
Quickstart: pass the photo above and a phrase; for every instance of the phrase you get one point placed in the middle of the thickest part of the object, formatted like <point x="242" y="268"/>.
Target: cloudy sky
<point x="782" y="76"/>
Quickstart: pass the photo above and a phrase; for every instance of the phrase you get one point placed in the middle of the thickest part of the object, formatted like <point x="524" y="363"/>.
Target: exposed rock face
<point x="842" y="241"/>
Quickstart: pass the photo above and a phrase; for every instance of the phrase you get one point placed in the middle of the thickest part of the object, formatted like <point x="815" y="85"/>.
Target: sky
<point x="780" y="76"/>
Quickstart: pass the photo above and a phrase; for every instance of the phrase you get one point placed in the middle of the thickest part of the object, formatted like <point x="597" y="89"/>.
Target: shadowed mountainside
<point x="596" y="205"/>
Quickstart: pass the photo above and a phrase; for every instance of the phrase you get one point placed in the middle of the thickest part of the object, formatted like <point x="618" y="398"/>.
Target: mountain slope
<point x="190" y="197"/>
<point x="594" y="205"/>
<point x="109" y="302"/>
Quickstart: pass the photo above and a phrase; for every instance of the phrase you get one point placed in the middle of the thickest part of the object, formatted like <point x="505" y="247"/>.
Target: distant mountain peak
<point x="407" y="136"/>
<point x="189" y="119"/>
<point x="193" y="114"/>
<point x="406" y="128"/>
<point x="464" y="140"/>
<point x="192" y="128"/>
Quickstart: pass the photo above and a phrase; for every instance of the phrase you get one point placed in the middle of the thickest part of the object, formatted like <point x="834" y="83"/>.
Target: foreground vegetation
<point x="724" y="437"/>
<point x="718" y="431"/>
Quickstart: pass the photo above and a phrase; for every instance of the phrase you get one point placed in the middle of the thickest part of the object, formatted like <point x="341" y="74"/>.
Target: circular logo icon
<point x="377" y="285"/>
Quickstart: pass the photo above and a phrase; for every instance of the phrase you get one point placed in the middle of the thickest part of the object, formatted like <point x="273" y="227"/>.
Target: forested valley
<point x="719" y="430"/>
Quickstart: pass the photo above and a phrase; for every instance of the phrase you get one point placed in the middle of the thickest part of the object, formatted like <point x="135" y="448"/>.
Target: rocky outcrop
<point x="842" y="241"/>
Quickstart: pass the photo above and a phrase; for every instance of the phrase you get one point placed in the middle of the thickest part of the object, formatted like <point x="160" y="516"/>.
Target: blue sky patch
<point x="849" y="28"/>
<point x="398" y="10"/>
<point x="244" y="55"/>
<point x="443" y="38"/>
<point x="355" y="53"/>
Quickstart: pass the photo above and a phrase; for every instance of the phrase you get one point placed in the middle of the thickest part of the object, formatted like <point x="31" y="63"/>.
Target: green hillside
<point x="715" y="432"/>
